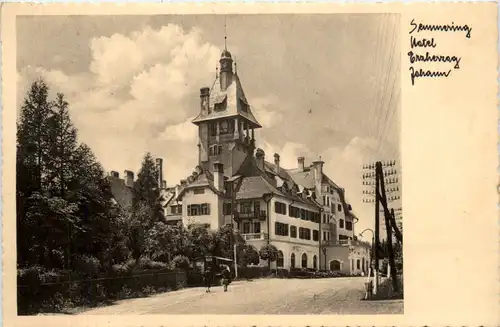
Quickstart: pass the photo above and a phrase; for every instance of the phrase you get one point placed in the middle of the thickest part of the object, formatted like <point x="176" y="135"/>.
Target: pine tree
<point x="63" y="144"/>
<point x="31" y="159"/>
<point x="146" y="191"/>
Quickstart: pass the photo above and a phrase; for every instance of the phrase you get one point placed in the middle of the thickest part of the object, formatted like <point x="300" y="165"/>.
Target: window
<point x="324" y="236"/>
<point x="302" y="214"/>
<point x="246" y="207"/>
<point x="293" y="231"/>
<point x="226" y="209"/>
<point x="215" y="150"/>
<point x="212" y="129"/>
<point x="280" y="208"/>
<point x="280" y="260"/>
<point x="281" y="229"/>
<point x="304" y="260"/>
<point x="256" y="227"/>
<point x="315" y="262"/>
<point x="199" y="190"/>
<point x="363" y="265"/>
<point x="205" y="209"/>
<point x="358" y="264"/>
<point x="246" y="228"/>
<point x="292" y="260"/>
<point x="256" y="207"/>
<point x="327" y="201"/>
<point x="348" y="225"/>
<point x="333" y="207"/>
<point x="198" y="209"/>
<point x="315" y="235"/>
<point x="226" y="126"/>
<point x="176" y="209"/>
<point x="304" y="233"/>
<point x="341" y="223"/>
<point x="324" y="200"/>
<point x="339" y="207"/>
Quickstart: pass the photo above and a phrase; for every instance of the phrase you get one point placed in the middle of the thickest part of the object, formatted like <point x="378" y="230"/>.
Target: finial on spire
<point x="225" y="33"/>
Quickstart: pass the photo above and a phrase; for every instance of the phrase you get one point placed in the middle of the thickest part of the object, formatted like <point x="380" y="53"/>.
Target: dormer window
<point x="243" y="105"/>
<point x="220" y="103"/>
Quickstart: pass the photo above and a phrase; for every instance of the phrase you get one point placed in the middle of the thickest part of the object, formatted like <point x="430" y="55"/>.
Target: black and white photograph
<point x="209" y="164"/>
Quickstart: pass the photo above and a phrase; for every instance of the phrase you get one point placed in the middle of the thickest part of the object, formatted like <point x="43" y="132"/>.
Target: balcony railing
<point x="254" y="236"/>
<point x="343" y="242"/>
<point x="259" y="214"/>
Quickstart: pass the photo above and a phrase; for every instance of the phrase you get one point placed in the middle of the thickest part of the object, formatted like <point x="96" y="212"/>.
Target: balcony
<point x="260" y="214"/>
<point x="254" y="236"/>
<point x="328" y="242"/>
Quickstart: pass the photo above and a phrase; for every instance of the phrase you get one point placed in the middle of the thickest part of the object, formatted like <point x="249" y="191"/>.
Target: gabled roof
<point x="232" y="100"/>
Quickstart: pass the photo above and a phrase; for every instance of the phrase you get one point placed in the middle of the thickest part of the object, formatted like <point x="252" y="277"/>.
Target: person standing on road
<point x="226" y="275"/>
<point x="207" y="278"/>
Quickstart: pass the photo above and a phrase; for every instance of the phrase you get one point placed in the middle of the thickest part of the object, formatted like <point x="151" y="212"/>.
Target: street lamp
<point x="373" y="256"/>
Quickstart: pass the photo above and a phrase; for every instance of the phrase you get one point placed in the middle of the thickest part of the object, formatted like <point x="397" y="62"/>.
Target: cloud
<point x="138" y="96"/>
<point x="185" y="131"/>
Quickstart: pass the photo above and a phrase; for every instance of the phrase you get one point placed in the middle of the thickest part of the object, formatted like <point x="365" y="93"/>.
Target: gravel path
<point x="263" y="296"/>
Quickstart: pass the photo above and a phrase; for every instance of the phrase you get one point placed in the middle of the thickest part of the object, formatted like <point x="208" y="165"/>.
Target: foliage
<point x="181" y="262"/>
<point x="247" y="254"/>
<point x="268" y="252"/>
<point x="64" y="207"/>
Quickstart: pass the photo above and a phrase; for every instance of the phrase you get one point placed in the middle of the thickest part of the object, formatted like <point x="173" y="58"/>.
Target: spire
<point x="225" y="33"/>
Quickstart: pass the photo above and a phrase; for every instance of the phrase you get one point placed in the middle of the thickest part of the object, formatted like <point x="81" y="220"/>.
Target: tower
<point x="225" y="122"/>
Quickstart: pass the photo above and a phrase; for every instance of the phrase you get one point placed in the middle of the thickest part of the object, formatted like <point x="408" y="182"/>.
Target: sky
<point x="320" y="85"/>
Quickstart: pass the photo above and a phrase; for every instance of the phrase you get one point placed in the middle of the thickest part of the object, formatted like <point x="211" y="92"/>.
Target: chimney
<point x="183" y="183"/>
<point x="204" y="99"/>
<point x="277" y="162"/>
<point x="164" y="184"/>
<point x="219" y="176"/>
<point x="129" y="178"/>
<point x="318" y="173"/>
<point x="300" y="163"/>
<point x="114" y="174"/>
<point x="259" y="156"/>
<point x="159" y="168"/>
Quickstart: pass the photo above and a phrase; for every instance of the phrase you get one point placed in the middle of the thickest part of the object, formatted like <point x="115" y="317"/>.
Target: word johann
<point x="430" y="43"/>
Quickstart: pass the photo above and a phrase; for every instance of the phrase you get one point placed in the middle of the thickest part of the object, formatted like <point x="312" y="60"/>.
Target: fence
<point x="34" y="295"/>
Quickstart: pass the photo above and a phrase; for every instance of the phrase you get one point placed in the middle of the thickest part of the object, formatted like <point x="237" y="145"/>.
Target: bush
<point x="181" y="262"/>
<point x="87" y="265"/>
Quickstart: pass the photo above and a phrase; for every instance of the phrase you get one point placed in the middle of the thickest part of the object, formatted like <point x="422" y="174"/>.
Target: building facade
<point x="300" y="210"/>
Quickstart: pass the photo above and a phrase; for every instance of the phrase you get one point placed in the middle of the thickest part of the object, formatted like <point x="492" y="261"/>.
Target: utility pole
<point x="382" y="178"/>
<point x="383" y="198"/>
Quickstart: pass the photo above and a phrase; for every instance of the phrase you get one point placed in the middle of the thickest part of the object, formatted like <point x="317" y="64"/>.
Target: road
<point x="262" y="296"/>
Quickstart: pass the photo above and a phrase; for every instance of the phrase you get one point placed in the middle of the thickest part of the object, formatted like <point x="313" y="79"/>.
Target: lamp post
<point x="373" y="257"/>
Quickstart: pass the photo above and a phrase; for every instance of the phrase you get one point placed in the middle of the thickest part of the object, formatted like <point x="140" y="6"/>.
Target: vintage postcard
<point x="250" y="165"/>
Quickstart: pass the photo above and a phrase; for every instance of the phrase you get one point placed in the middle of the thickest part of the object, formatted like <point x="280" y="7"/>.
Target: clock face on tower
<point x="224" y="65"/>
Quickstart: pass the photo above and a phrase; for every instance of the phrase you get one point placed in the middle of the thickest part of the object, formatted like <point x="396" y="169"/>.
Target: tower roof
<point x="228" y="103"/>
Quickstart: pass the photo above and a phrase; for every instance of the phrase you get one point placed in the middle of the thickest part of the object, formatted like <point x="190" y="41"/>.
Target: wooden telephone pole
<point x="380" y="194"/>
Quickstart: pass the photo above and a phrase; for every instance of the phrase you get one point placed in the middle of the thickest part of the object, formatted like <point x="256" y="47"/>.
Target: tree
<point x="268" y="252"/>
<point x="31" y="158"/>
<point x="247" y="254"/>
<point x="61" y="148"/>
<point x="146" y="191"/>
<point x="64" y="203"/>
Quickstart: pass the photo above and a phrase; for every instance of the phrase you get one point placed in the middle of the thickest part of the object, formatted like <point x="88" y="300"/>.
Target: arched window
<point x="292" y="260"/>
<point x="304" y="260"/>
<point x="335" y="265"/>
<point x="315" y="262"/>
<point x="280" y="261"/>
<point x="358" y="264"/>
<point x="363" y="265"/>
